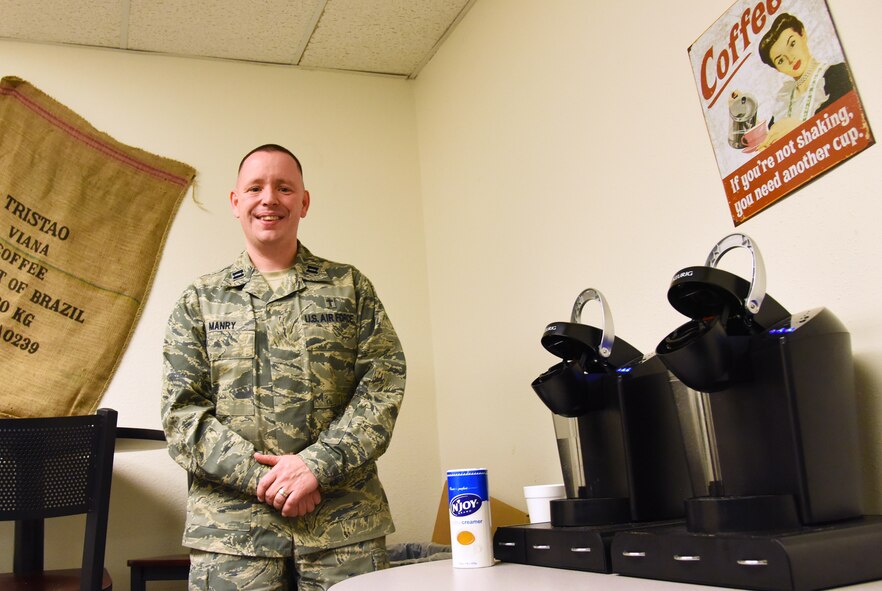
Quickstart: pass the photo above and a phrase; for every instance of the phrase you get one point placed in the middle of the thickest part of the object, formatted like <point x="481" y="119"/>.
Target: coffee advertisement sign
<point x="779" y="99"/>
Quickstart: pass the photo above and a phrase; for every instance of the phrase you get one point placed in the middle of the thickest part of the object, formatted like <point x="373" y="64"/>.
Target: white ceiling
<point x="393" y="37"/>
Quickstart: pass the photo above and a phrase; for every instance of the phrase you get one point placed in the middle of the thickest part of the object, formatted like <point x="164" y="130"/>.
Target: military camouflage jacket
<point x="314" y="369"/>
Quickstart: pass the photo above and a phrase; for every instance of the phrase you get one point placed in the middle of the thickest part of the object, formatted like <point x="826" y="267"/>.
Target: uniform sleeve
<point x="363" y="431"/>
<point x="196" y="439"/>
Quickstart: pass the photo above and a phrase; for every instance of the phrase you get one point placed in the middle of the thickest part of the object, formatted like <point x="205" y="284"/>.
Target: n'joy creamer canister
<point x="469" y="507"/>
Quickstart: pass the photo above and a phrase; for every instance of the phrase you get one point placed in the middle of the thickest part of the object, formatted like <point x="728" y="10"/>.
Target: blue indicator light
<point x="624" y="369"/>
<point x="782" y="330"/>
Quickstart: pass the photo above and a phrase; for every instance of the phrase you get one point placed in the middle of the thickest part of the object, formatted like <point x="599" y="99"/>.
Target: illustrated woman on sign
<point x="811" y="86"/>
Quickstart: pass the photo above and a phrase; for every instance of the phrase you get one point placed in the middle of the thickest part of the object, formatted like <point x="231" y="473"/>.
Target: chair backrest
<point x="56" y="466"/>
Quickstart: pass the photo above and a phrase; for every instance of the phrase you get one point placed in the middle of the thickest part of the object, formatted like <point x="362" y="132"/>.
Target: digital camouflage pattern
<point x="320" y="570"/>
<point x="314" y="572"/>
<point x="314" y="368"/>
<point x="226" y="572"/>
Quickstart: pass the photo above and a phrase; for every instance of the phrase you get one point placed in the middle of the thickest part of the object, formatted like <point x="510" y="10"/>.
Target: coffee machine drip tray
<point x="575" y="512"/>
<point x="711" y="515"/>
<point x="804" y="559"/>
<point x="585" y="548"/>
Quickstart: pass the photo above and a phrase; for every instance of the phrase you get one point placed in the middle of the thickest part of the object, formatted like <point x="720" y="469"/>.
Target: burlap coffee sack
<point x="83" y="219"/>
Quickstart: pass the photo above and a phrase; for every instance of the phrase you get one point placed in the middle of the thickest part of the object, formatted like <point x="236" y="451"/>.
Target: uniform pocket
<point x="206" y="507"/>
<point x="232" y="356"/>
<point x="329" y="323"/>
<point x="231" y="344"/>
<point x="330" y="337"/>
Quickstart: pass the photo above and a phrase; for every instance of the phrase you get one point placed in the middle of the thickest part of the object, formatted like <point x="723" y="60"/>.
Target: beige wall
<point x="548" y="147"/>
<point x="562" y="146"/>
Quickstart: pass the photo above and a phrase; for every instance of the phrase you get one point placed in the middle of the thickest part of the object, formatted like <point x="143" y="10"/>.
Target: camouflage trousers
<point x="317" y="571"/>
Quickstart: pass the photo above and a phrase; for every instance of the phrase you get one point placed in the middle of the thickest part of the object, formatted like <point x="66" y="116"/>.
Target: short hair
<point x="781" y="23"/>
<point x="272" y="148"/>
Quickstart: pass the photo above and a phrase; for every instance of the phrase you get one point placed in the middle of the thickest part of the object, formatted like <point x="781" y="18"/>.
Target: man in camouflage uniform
<point x="283" y="378"/>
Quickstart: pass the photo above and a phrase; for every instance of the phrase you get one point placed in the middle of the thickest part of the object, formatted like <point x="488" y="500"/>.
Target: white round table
<point x="439" y="575"/>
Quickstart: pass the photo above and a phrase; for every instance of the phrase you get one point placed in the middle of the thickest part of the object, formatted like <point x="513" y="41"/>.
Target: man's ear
<point x="234" y="203"/>
<point x="305" y="204"/>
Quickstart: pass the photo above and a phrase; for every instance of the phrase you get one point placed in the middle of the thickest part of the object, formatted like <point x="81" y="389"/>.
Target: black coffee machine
<point x="769" y="417"/>
<point x="622" y="457"/>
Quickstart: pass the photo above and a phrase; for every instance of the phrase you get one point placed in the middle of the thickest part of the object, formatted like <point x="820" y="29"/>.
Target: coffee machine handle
<point x="758" y="278"/>
<point x="608" y="331"/>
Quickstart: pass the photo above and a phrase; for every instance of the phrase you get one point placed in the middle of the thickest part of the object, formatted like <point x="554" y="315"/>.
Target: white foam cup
<point x="538" y="497"/>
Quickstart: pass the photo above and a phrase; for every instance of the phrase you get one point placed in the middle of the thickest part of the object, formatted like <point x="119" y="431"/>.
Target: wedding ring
<point x="282" y="492"/>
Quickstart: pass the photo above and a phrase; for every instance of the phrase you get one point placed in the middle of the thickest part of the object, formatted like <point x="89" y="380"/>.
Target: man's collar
<point x="240" y="271"/>
<point x="306" y="265"/>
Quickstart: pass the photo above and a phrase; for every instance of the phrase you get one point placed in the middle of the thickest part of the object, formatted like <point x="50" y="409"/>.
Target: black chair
<point x="51" y="467"/>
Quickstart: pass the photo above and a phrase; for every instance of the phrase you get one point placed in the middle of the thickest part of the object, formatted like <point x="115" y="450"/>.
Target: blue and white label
<point x="469" y="507"/>
<point x="466" y="504"/>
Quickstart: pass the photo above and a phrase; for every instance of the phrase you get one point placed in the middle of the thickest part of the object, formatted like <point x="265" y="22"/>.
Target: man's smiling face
<point x="269" y="201"/>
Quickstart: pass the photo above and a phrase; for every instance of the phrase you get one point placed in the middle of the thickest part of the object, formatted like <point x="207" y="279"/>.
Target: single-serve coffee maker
<point x="622" y="457"/>
<point x="768" y="413"/>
